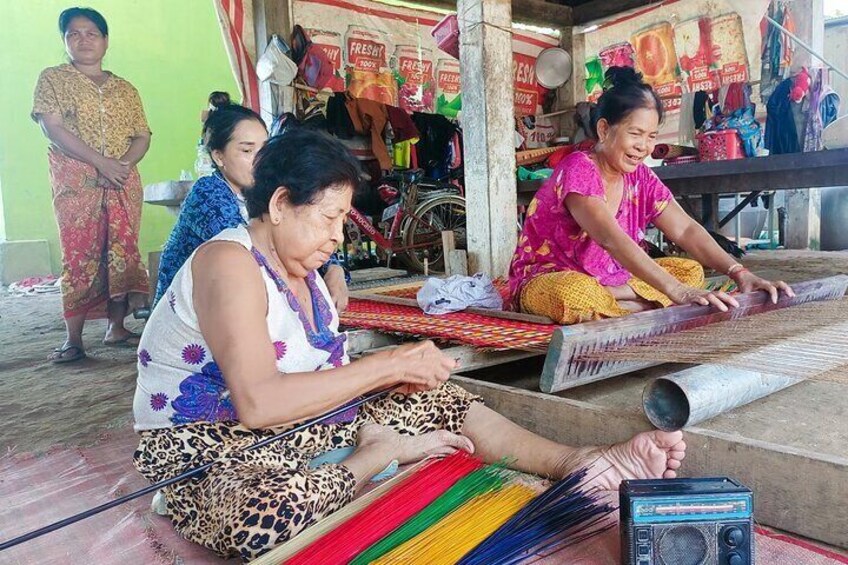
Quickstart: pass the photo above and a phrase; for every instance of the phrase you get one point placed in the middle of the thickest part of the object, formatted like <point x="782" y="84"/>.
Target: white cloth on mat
<point x="441" y="296"/>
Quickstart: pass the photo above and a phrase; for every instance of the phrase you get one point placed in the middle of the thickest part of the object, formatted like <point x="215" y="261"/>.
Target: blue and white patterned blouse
<point x="210" y="207"/>
<point x="179" y="382"/>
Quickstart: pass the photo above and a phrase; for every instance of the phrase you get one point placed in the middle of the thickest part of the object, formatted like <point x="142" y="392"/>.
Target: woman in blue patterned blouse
<point x="232" y="135"/>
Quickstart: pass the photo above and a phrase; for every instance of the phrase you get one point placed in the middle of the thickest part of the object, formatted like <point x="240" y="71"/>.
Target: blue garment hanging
<point x="781" y="135"/>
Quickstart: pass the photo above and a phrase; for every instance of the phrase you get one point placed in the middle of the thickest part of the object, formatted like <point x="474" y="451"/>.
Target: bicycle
<point x="419" y="211"/>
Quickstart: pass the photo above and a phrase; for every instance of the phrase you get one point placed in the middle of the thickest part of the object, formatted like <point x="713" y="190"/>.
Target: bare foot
<point x="649" y="455"/>
<point x="119" y="336"/>
<point x="408" y="449"/>
<point x="634" y="306"/>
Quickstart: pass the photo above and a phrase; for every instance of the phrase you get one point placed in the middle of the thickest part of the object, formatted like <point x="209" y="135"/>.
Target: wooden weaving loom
<point x="569" y="360"/>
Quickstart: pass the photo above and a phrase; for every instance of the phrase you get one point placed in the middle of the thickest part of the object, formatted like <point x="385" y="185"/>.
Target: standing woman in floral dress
<point x="98" y="133"/>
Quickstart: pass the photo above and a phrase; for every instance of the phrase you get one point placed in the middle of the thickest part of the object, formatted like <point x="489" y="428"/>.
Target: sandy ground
<point x="43" y="404"/>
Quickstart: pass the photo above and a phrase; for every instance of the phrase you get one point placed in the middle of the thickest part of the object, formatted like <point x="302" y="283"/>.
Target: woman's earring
<point x="275" y="220"/>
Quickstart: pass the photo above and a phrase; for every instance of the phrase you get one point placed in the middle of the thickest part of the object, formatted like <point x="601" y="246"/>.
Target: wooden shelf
<point x="774" y="172"/>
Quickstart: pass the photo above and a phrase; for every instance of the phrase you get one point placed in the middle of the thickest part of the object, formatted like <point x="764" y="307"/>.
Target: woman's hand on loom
<point x="683" y="294"/>
<point x="748" y="282"/>
<point x="418" y="367"/>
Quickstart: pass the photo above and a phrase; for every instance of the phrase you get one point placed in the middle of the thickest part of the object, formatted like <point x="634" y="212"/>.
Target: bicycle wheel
<point x="422" y="233"/>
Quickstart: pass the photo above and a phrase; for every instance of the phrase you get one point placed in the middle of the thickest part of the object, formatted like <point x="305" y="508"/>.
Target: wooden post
<point x="487" y="113"/>
<point x="803" y="206"/>
<point x="448" y="245"/>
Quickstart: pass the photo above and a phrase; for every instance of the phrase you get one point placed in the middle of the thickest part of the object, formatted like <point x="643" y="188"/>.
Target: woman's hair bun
<point x="218" y="100"/>
<point x="620" y="77"/>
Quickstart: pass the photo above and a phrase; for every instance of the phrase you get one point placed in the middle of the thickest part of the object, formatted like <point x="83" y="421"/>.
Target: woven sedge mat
<point x="484" y="332"/>
<point x="36" y="490"/>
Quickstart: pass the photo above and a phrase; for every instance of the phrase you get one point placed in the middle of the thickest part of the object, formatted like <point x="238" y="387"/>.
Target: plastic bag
<point x="275" y="63"/>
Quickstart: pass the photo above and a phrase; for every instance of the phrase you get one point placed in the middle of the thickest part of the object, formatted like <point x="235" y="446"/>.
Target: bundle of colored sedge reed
<point x="358" y="533"/>
<point x="455" y="535"/>
<point x="562" y="515"/>
<point x="488" y="479"/>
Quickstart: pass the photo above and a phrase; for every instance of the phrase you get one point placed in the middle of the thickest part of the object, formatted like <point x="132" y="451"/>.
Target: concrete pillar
<point x="488" y="126"/>
<point x="803" y="213"/>
<point x="803" y="207"/>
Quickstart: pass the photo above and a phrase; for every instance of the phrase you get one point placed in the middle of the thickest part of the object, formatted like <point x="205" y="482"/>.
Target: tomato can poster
<point x="386" y="53"/>
<point x="678" y="46"/>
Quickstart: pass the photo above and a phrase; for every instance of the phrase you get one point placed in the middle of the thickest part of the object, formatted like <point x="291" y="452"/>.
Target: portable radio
<point x="705" y="521"/>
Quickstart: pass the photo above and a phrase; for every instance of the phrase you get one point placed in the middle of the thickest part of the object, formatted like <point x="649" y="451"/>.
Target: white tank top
<point x="179" y="381"/>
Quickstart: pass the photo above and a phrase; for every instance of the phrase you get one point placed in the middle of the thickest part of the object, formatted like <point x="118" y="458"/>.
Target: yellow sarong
<point x="569" y="297"/>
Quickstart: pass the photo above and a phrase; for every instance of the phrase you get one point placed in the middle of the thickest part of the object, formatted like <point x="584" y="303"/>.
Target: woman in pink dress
<point x="579" y="256"/>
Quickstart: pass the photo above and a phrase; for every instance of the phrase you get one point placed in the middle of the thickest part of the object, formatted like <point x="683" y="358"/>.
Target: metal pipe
<point x="698" y="393"/>
<point x="737" y="225"/>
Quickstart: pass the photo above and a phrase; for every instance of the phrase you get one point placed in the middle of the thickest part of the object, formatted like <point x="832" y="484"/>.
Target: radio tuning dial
<point x="735" y="559"/>
<point x="734" y="536"/>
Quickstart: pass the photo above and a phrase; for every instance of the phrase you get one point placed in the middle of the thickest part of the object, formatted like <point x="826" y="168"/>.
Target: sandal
<point x="59" y="356"/>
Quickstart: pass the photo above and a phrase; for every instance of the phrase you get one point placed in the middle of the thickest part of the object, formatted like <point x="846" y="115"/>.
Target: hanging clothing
<point x="338" y="118"/>
<point x="699" y="108"/>
<point x="738" y="96"/>
<point x="778" y="50"/>
<point x="781" y="135"/>
<point x="829" y="106"/>
<point x="402" y="125"/>
<point x="436" y="132"/>
<point x="456" y="151"/>
<point x="787" y="45"/>
<point x="686" y="121"/>
<point x="813" y="125"/>
<point x="552" y="240"/>
<point x="370" y="118"/>
<point x="402" y="154"/>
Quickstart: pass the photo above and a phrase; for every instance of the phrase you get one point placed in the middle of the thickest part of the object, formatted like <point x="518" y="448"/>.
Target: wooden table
<point x="709" y="179"/>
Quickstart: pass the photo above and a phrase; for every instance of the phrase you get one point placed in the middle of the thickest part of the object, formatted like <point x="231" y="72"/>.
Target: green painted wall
<point x="170" y="50"/>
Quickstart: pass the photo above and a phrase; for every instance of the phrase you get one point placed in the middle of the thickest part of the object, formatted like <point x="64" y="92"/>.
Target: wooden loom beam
<point x="363" y="342"/>
<point x="564" y="367"/>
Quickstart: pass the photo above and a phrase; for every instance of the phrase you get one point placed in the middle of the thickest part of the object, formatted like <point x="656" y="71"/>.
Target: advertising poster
<point x="696" y="53"/>
<point x="678" y="45"/>
<point x="387" y="54"/>
<point x="656" y="59"/>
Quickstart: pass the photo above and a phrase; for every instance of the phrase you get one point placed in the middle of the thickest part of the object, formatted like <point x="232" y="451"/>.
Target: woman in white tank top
<point x="246" y="342"/>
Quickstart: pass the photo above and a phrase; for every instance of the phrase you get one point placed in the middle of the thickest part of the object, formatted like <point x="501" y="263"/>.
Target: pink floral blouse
<point x="552" y="240"/>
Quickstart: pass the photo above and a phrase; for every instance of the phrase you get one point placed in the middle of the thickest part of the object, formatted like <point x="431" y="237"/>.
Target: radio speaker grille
<point x="685" y="545"/>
